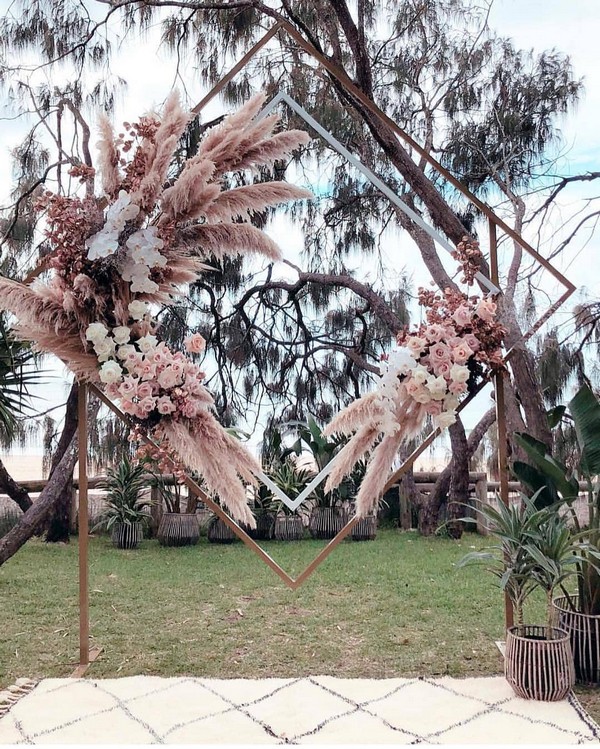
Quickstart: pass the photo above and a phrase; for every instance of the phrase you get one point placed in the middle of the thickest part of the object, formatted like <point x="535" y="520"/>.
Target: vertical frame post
<point x="500" y="416"/>
<point x="84" y="603"/>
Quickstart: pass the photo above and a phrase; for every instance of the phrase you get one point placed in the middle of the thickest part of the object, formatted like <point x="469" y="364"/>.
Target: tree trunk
<point x="37" y="514"/>
<point x="459" y="479"/>
<point x="16" y="492"/>
<point x="59" y="519"/>
<point x="429" y="512"/>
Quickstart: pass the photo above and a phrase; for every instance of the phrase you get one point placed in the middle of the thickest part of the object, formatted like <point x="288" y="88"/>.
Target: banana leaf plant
<point x="555" y="485"/>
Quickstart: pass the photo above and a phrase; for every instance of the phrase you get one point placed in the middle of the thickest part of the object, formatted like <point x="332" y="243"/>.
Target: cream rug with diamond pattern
<point x="312" y="710"/>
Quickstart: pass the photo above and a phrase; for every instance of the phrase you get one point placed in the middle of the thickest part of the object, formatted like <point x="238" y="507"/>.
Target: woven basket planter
<point x="178" y="529"/>
<point x="537" y="668"/>
<point x="127" y="536"/>
<point x="265" y="526"/>
<point x="219" y="532"/>
<point x="289" y="528"/>
<point x="326" y="522"/>
<point x="584" y="631"/>
<point x="365" y="529"/>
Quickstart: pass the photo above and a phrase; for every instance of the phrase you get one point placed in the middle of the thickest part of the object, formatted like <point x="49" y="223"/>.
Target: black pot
<point x="584" y="633"/>
<point x="127" y="535"/>
<point x="178" y="529"/>
<point x="219" y="532"/>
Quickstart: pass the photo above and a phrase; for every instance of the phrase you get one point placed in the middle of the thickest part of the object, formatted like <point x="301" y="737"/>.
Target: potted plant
<point x="329" y="511"/>
<point x="125" y="509"/>
<point x="291" y="480"/>
<point x="559" y="486"/>
<point x="176" y="528"/>
<point x="265" y="511"/>
<point x="535" y="549"/>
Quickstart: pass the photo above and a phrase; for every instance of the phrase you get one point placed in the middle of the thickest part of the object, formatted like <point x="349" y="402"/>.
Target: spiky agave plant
<point x="124" y="485"/>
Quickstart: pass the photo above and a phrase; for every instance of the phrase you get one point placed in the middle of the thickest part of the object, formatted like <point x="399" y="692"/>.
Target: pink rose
<point x="195" y="344"/>
<point x="434" y="408"/>
<point x="167" y="379"/>
<point x="462" y="316"/>
<point x="178" y="368"/>
<point x="147" y="404"/>
<point x="144" y="390"/>
<point x="454" y="341"/>
<point x="439" y="353"/>
<point x="164" y="405"/>
<point x="461" y="353"/>
<point x="148" y="370"/>
<point x="442" y="368"/>
<point x="191" y="408"/>
<point x="112" y="390"/>
<point x="457" y="388"/>
<point x="436" y="333"/>
<point x="472" y="341"/>
<point x="486" y="309"/>
<point x="128" y="386"/>
<point x="415" y="344"/>
<point x="128" y="406"/>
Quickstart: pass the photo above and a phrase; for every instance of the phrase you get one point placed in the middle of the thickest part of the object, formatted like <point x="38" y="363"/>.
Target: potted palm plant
<point x="291" y="480"/>
<point x="559" y="486"/>
<point x="535" y="549"/>
<point x="329" y="511"/>
<point x="125" y="509"/>
<point x="176" y="528"/>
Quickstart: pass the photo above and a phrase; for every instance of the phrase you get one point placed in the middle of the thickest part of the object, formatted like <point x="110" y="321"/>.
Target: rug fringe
<point x="11" y="695"/>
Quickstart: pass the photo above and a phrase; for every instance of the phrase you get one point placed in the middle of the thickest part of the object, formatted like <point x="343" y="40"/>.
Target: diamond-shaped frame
<point x="494" y="223"/>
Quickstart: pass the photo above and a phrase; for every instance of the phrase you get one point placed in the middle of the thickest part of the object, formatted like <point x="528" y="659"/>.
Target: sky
<point x="572" y="26"/>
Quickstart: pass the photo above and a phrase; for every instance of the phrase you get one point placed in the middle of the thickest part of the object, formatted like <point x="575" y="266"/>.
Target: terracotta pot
<point x="219" y="532"/>
<point x="289" y="528"/>
<point x="178" y="529"/>
<point x="538" y="668"/>
<point x="127" y="536"/>
<point x="584" y="632"/>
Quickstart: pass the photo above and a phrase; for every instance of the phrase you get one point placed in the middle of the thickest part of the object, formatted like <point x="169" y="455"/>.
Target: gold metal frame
<point x="494" y="223"/>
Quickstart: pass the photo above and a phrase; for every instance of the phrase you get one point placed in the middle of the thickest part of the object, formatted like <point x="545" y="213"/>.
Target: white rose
<point x="137" y="309"/>
<point x="402" y="360"/>
<point x="420" y="374"/>
<point x="450" y="403"/>
<point x="459" y="373"/>
<point x="445" y="419"/>
<point x="110" y="372"/>
<point x="124" y="351"/>
<point x="147" y="343"/>
<point x="121" y="334"/>
<point x="438" y="388"/>
<point x="96" y="332"/>
<point x="104" y="349"/>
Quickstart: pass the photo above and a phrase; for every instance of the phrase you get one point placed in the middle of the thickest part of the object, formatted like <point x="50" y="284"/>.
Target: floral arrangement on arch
<point x="117" y="256"/>
<point x="456" y="347"/>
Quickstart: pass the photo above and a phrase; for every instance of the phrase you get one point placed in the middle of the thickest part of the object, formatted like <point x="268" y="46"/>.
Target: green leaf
<point x="536" y="481"/>
<point x="554" y="415"/>
<point x="549" y="466"/>
<point x="585" y="409"/>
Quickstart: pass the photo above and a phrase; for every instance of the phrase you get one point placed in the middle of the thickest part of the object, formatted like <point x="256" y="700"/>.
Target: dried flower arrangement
<point x="136" y="246"/>
<point x="449" y="354"/>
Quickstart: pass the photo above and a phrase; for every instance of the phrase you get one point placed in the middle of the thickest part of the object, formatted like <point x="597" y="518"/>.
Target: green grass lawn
<point x="393" y="607"/>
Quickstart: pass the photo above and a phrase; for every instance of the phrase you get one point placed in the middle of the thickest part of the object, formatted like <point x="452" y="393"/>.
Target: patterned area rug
<point x="313" y="710"/>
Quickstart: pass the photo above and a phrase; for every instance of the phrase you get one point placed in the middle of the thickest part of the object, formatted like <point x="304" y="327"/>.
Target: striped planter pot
<point x="365" y="529"/>
<point x="326" y="522"/>
<point x="537" y="668"/>
<point x="178" y="529"/>
<point x="127" y="536"/>
<point x="289" y="528"/>
<point x="265" y="526"/>
<point x="584" y="631"/>
<point x="219" y="532"/>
